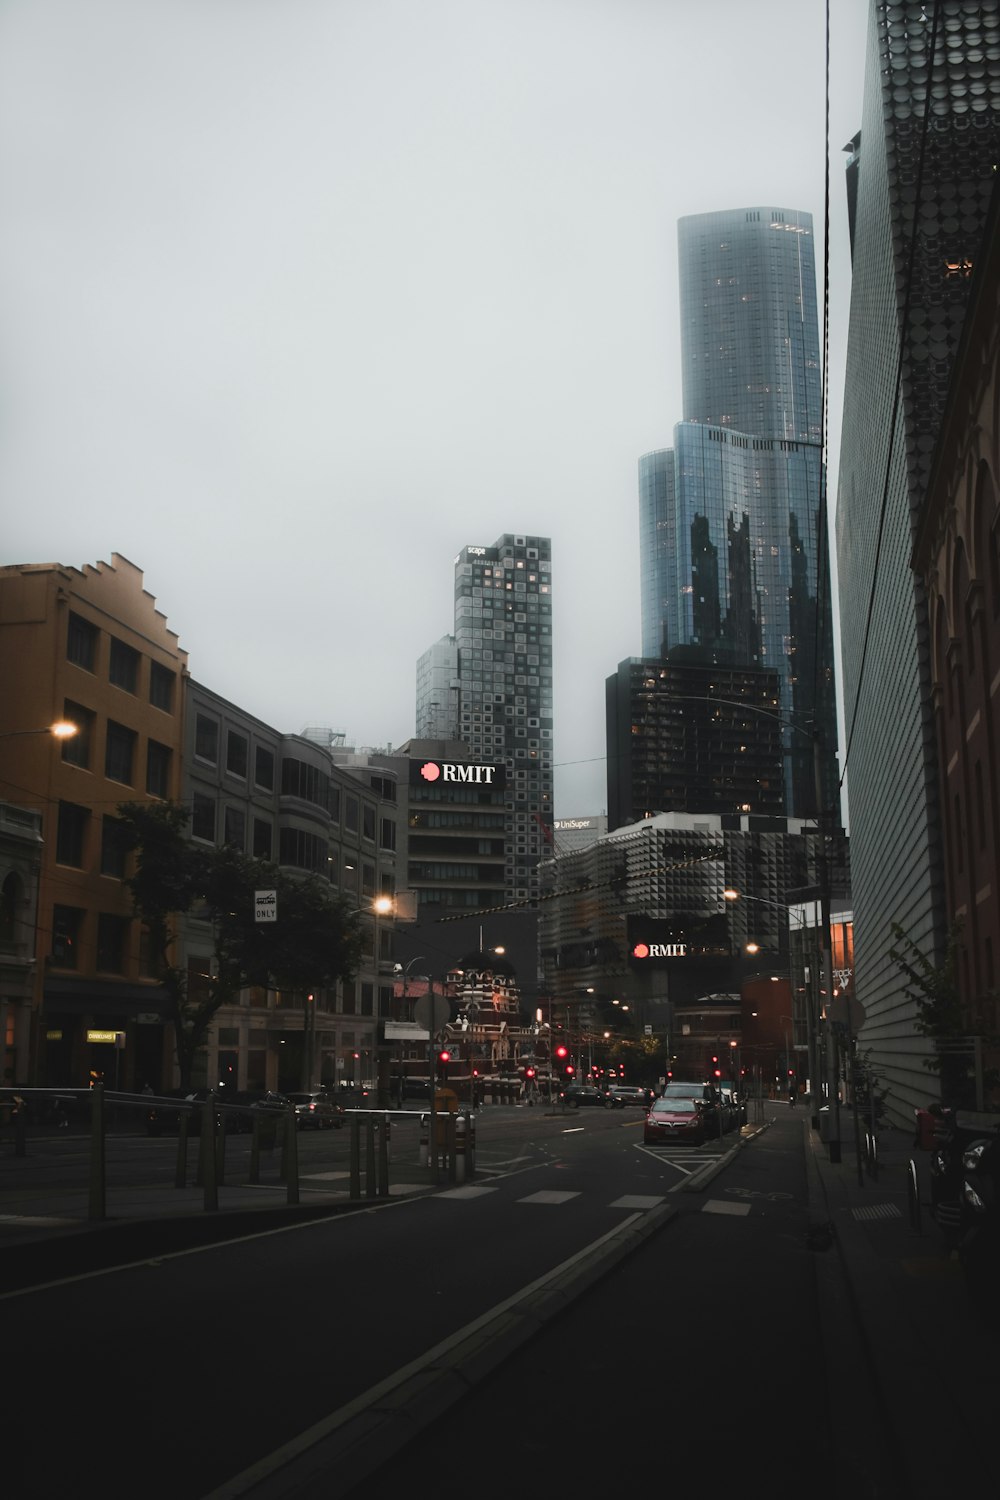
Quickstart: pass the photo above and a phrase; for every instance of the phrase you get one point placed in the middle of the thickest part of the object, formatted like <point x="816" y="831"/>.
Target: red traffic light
<point x="561" y="1051"/>
<point x="569" y="1070"/>
<point x="529" y="1072"/>
<point x="444" y="1057"/>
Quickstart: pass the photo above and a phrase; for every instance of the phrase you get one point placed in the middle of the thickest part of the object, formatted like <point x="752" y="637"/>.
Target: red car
<point x="674" y="1120"/>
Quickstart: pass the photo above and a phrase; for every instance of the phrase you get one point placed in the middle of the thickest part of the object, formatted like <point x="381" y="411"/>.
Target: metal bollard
<point x="98" y="1179"/>
<point x="291" y="1157"/>
<point x="461" y="1139"/>
<point x="207" y="1155"/>
<point x="425" y="1135"/>
<point x="371" y="1186"/>
<point x="383" y="1159"/>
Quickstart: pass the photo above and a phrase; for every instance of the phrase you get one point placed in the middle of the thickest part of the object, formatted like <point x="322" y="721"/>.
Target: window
<point x="114" y="847"/>
<point x="123" y="666"/>
<point x="368" y="822"/>
<point x="119" y="752"/>
<point x="67" y="922"/>
<point x="71" y="834"/>
<point x="206" y="739"/>
<point x="306" y="782"/>
<point x="351" y="811"/>
<point x="161" y="687"/>
<point x="335" y="803"/>
<point x="112" y="932"/>
<point x="263" y="768"/>
<point x="237" y="754"/>
<point x="234" y="826"/>
<point x="81" y="643"/>
<point x="157" y="769"/>
<point x="11" y="898"/>
<point x="262" y="839"/>
<point x="148" y="967"/>
<point x="387" y="834"/>
<point x="203" y="818"/>
<point x="303" y="851"/>
<point x="76" y="750"/>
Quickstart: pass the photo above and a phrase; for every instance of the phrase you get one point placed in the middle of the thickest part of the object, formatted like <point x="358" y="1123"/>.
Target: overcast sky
<point x="298" y="297"/>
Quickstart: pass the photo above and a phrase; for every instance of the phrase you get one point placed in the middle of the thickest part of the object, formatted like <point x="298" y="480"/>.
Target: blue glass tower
<point x="733" y="556"/>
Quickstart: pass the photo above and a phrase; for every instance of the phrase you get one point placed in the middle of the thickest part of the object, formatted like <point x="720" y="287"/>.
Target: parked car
<point x="672" y="1120"/>
<point x="317" y="1111"/>
<point x="583" y="1093"/>
<point x="704" y="1095"/>
<point x="622" y="1094"/>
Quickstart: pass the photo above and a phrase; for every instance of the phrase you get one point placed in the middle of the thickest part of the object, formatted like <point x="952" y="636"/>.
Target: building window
<point x="71" y="835"/>
<point x="262" y="839"/>
<point x="368" y="822"/>
<point x="119" y="752"/>
<point x="203" y="818"/>
<point x="123" y="666"/>
<point x="335" y="803"/>
<point x="157" y="769"/>
<point x="234" y="825"/>
<point x="148" y="967"/>
<point x="206" y="739"/>
<point x="237" y="754"/>
<point x="302" y="851"/>
<point x="387" y="834"/>
<point x="76" y="750"/>
<point x="161" y="687"/>
<point x="263" y="768"/>
<point x="351" y="813"/>
<point x="112" y="932"/>
<point x="114" y="847"/>
<point x="81" y="643"/>
<point x="67" y="922"/>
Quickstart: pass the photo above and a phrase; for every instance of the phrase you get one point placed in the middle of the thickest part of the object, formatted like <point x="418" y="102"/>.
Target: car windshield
<point x="674" y="1107"/>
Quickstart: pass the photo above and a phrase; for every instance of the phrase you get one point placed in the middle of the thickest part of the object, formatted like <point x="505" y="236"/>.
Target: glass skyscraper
<point x="733" y="559"/>
<point x="502" y="706"/>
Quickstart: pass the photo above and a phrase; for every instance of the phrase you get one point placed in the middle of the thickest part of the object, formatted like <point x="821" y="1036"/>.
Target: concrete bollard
<point x="425" y="1136"/>
<point x="461" y="1138"/>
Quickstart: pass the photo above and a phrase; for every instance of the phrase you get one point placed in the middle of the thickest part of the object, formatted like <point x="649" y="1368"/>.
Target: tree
<point x="311" y="946"/>
<point x="933" y="989"/>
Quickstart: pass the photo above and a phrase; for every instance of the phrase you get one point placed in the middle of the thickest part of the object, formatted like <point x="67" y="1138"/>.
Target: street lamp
<point x="62" y="729"/>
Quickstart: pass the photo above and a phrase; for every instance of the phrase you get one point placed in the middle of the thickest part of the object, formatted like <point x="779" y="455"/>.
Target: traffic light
<point x="569" y="1070"/>
<point x="562" y="1052"/>
<point x="529" y="1073"/>
<point x="714" y="1071"/>
<point x="443" y="1059"/>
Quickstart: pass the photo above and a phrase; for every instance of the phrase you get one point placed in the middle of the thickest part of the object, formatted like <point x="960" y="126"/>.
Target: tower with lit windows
<point x="502" y="698"/>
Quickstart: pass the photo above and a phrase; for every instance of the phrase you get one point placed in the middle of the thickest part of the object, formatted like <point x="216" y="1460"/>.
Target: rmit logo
<point x="433" y="770"/>
<point x="659" y="950"/>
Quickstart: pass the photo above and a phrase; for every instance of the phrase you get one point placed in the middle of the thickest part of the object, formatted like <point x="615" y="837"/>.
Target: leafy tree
<point x="311" y="946"/>
<point x="933" y="989"/>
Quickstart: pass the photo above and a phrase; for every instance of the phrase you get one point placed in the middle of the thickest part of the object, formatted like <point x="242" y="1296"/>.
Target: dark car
<point x="674" y="1120"/>
<point x="583" y="1093"/>
<point x="622" y="1094"/>
<point x="704" y="1095"/>
<point x="317" y="1111"/>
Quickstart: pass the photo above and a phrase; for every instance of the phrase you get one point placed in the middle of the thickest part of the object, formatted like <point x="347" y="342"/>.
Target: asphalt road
<point x="174" y="1374"/>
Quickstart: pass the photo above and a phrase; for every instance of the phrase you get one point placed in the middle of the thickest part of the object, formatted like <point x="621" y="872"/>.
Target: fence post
<point x="255" y="1149"/>
<point x="383" y="1158"/>
<point x="292" y="1172"/>
<point x="207" y="1154"/>
<point x="371" y="1186"/>
<point x="97" y="1173"/>
<point x="355" y="1158"/>
<point x="180" y="1171"/>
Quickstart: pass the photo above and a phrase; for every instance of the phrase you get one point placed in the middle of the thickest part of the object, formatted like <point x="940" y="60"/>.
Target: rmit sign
<point x="457" y="773"/>
<point x="659" y="950"/>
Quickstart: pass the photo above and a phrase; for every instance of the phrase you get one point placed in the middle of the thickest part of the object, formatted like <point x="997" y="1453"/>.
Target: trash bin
<point x="824" y="1124"/>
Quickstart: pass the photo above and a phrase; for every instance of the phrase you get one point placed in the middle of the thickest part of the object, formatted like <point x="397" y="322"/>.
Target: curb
<point x="355" y="1441"/>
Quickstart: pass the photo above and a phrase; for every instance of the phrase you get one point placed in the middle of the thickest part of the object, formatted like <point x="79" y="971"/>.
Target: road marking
<point x="548" y="1197"/>
<point x="26" y="1221"/>
<point x="636" y="1200"/>
<point x="717" y="1206"/>
<point x="323" y="1176"/>
<point x="877" y="1211"/>
<point x="470" y="1191"/>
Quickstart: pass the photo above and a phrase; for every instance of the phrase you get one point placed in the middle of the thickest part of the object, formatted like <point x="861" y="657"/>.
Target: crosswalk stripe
<point x="717" y="1206"/>
<point x="548" y="1197"/>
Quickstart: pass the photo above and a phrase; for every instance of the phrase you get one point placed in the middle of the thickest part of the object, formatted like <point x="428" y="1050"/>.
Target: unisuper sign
<point x="457" y="773"/>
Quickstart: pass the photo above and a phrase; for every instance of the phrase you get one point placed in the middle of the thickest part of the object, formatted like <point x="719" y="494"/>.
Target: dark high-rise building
<point x="687" y="733"/>
<point x="496" y="671"/>
<point x="921" y="176"/>
<point x="734" y="555"/>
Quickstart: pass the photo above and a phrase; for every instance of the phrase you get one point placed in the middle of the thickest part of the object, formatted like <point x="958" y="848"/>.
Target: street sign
<point x="265" y="906"/>
<point x="432" y="1012"/>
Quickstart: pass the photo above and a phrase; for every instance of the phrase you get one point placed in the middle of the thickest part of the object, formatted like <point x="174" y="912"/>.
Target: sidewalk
<point x="933" y="1364"/>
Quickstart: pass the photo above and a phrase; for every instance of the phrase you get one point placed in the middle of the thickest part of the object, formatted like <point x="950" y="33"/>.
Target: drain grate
<point x="877" y="1211"/>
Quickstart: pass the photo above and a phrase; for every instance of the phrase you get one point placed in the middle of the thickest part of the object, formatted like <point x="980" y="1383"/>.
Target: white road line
<point x="469" y="1191"/>
<point x="637" y="1200"/>
<point x="718" y="1206"/>
<point x="548" y="1197"/>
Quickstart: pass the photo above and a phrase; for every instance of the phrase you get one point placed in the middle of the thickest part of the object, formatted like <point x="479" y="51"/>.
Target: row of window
<point x="69" y="930"/>
<point x="124" y="663"/>
<point x="120" y="751"/>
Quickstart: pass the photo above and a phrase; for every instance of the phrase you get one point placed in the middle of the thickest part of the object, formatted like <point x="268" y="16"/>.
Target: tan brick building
<point x="88" y="645"/>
